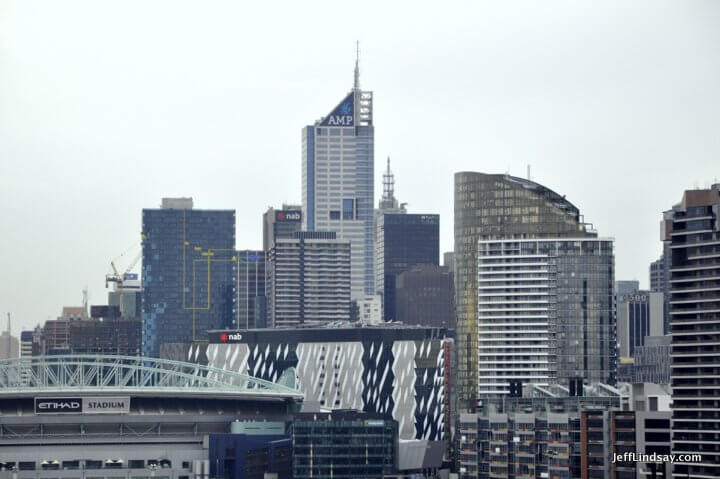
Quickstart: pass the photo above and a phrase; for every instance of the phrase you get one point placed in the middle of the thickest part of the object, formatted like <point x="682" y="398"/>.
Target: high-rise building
<point x="188" y="273"/>
<point x="107" y="336"/>
<point x="660" y="283"/>
<point x="639" y="314"/>
<point x="337" y="185"/>
<point x="425" y="296"/>
<point x="250" y="287"/>
<point x="625" y="287"/>
<point x="308" y="279"/>
<point x="9" y="344"/>
<point x="497" y="207"/>
<point x="403" y="241"/>
<point x="691" y="230"/>
<point x="280" y="224"/>
<point x="449" y="261"/>
<point x="545" y="312"/>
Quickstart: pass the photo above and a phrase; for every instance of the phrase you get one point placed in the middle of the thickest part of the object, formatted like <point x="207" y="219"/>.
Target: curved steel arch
<point x="122" y="372"/>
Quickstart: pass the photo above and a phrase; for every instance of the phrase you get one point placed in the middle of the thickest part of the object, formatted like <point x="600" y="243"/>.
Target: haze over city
<point x="105" y="109"/>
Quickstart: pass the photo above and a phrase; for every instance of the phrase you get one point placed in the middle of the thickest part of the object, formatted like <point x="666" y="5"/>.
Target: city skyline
<point x="95" y="131"/>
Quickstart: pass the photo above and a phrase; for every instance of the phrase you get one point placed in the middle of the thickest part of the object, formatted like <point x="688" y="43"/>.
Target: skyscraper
<point x="545" y="312"/>
<point x="9" y="344"/>
<point x="403" y="241"/>
<point x="250" y="288"/>
<point x="660" y="283"/>
<point x="188" y="273"/>
<point x="308" y="279"/>
<point x="337" y="184"/>
<point x="497" y="207"/>
<point x="280" y="223"/>
<point x="691" y="230"/>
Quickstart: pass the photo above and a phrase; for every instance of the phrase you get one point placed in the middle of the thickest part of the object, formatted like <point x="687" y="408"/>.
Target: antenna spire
<point x="8" y="327"/>
<point x="356" y="85"/>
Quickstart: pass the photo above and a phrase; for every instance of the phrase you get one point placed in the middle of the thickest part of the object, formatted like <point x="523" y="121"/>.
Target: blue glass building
<point x="188" y="273"/>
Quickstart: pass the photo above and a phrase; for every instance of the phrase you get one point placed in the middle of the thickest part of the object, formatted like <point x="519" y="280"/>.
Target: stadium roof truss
<point x="123" y="373"/>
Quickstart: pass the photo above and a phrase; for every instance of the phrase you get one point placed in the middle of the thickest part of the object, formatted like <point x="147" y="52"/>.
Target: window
<point x="334" y="215"/>
<point x="348" y="209"/>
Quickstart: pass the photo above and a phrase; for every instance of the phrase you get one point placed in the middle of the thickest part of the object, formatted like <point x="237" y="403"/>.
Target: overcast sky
<point x="106" y="107"/>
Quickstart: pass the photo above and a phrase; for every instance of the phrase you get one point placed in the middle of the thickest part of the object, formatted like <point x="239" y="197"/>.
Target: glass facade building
<point x="338" y="181"/>
<point x="425" y="296"/>
<point x="496" y="207"/>
<point x="545" y="312"/>
<point x="344" y="444"/>
<point x="403" y="241"/>
<point x="250" y="288"/>
<point x="188" y="274"/>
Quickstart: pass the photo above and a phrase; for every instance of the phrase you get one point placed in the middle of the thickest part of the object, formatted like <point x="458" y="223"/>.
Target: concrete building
<point x="639" y="314"/>
<point x="338" y="180"/>
<point x="9" y="344"/>
<point x="425" y="296"/>
<point x="369" y="310"/>
<point x="538" y="435"/>
<point x="188" y="273"/>
<point x="691" y="231"/>
<point x="652" y="360"/>
<point x="282" y="223"/>
<point x="497" y="207"/>
<point x="660" y="283"/>
<point x="449" y="261"/>
<point x="309" y="279"/>
<point x="545" y="312"/>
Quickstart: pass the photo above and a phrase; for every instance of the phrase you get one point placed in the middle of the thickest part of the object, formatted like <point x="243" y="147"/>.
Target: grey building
<point x="338" y="180"/>
<point x="424" y="295"/>
<point x="282" y="223"/>
<point x="497" y="207"/>
<point x="250" y="289"/>
<point x="403" y="241"/>
<point x="308" y="279"/>
<point x="542" y="434"/>
<point x="660" y="283"/>
<point x="639" y="314"/>
<point x="652" y="360"/>
<point x="623" y="287"/>
<point x="545" y="312"/>
<point x="691" y="230"/>
<point x="9" y="344"/>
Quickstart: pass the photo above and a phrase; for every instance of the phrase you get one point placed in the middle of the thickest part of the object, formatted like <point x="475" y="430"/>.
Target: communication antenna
<point x="528" y="172"/>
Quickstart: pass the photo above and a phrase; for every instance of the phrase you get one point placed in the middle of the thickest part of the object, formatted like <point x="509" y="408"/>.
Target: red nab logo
<point x="223" y="337"/>
<point x="229" y="337"/>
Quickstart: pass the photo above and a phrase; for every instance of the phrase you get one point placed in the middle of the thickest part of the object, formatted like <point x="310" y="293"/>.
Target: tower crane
<point x="115" y="276"/>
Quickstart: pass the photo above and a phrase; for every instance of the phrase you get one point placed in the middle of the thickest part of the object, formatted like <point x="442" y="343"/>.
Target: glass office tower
<point x="337" y="184"/>
<point x="403" y="241"/>
<point x="188" y="273"/>
<point x="496" y="207"/>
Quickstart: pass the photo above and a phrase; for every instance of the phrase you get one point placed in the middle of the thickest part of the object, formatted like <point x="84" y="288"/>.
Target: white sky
<point x="105" y="107"/>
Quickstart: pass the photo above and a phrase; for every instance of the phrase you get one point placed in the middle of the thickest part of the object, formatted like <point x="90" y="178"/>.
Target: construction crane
<point x="115" y="276"/>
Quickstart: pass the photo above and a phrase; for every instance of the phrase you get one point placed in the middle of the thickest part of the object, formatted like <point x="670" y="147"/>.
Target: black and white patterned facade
<point x="399" y="370"/>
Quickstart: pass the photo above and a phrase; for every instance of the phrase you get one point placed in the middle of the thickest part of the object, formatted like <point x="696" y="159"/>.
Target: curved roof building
<point x="489" y="207"/>
<point x="63" y="415"/>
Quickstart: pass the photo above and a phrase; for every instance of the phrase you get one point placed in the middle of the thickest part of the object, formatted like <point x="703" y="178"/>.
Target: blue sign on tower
<point x="343" y="114"/>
